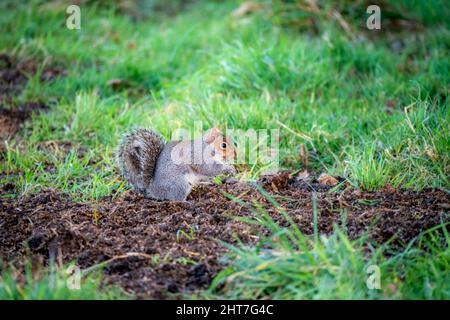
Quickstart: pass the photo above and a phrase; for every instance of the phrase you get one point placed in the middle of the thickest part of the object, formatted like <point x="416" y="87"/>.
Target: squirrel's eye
<point x="223" y="145"/>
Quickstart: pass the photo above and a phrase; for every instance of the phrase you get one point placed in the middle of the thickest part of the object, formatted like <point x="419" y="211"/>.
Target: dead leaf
<point x="118" y="83"/>
<point x="391" y="288"/>
<point x="246" y="7"/>
<point x="328" y="180"/>
<point x="391" y="103"/>
<point x="303" y="176"/>
<point x="303" y="155"/>
<point x="388" y="189"/>
<point x="132" y="45"/>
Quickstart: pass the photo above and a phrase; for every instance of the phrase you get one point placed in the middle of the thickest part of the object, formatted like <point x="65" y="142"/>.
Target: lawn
<point x="368" y="107"/>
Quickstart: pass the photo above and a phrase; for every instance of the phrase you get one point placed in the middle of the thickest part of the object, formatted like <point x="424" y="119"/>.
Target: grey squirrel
<point x="168" y="171"/>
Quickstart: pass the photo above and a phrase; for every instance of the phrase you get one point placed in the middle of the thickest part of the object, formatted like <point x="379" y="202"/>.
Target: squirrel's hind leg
<point x="175" y="191"/>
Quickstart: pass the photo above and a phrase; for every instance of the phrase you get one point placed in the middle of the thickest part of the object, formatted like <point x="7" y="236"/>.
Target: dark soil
<point x="12" y="119"/>
<point x="182" y="237"/>
<point x="14" y="74"/>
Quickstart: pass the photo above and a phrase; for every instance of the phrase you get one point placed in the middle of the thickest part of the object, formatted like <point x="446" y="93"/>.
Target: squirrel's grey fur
<point x="137" y="156"/>
<point x="148" y="164"/>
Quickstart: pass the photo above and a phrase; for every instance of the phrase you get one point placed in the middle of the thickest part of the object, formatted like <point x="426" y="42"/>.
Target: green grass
<point x="363" y="111"/>
<point x="53" y="283"/>
<point x="330" y="93"/>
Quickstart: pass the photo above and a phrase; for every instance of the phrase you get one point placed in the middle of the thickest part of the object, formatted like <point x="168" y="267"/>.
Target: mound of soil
<point x="158" y="248"/>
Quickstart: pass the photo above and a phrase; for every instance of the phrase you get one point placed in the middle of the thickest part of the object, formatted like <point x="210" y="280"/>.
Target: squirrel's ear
<point x="211" y="135"/>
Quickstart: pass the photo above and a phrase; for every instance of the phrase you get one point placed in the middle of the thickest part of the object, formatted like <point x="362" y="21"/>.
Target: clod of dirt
<point x="277" y="182"/>
<point x="35" y="241"/>
<point x="161" y="249"/>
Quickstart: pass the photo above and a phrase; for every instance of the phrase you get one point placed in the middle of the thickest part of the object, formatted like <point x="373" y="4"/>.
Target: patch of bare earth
<point x="174" y="245"/>
<point x="14" y="75"/>
<point x="11" y="119"/>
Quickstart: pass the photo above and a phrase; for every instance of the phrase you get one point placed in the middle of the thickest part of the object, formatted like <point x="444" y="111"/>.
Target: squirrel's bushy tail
<point x="137" y="155"/>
